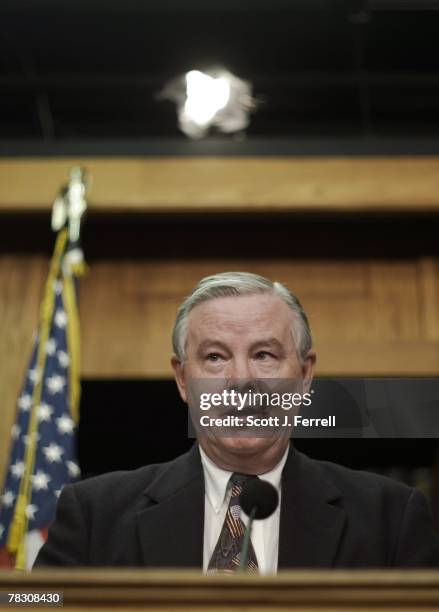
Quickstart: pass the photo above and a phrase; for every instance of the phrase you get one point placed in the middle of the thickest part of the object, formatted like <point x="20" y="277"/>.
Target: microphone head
<point x="259" y="495"/>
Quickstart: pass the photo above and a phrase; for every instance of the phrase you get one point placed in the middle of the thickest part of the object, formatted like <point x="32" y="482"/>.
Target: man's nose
<point x="240" y="369"/>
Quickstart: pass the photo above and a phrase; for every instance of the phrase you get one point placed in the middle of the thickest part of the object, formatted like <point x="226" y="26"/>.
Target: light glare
<point x="216" y="98"/>
<point x="205" y="96"/>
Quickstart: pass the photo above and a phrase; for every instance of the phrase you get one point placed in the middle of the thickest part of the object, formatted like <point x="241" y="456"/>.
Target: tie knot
<point x="240" y="479"/>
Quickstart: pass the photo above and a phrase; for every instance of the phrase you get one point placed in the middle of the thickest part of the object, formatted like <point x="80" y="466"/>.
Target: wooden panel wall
<point x="21" y="283"/>
<point x="368" y="317"/>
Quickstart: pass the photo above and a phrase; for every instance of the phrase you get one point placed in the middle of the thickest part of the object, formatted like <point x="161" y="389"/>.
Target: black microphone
<point x="259" y="499"/>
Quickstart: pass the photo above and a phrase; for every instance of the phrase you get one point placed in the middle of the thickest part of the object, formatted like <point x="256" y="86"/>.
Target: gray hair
<point x="228" y="284"/>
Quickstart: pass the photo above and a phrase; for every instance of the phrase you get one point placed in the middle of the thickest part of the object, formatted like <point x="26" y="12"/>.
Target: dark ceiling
<point x="87" y="71"/>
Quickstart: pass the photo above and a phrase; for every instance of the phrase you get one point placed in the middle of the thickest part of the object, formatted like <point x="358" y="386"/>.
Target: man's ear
<point x="179" y="375"/>
<point x="308" y="367"/>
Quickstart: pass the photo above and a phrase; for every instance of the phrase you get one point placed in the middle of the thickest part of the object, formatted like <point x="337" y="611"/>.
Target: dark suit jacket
<point x="330" y="517"/>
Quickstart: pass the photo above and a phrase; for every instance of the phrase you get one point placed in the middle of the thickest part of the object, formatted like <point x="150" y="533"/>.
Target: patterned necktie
<point x="227" y="554"/>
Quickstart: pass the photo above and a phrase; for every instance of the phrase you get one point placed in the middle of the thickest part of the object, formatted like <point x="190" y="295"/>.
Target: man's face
<point x="241" y="337"/>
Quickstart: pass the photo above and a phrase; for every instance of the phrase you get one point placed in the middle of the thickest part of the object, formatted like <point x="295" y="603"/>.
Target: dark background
<point x="332" y="75"/>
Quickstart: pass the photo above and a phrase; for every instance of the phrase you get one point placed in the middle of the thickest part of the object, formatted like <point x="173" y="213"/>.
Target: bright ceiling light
<point x="205" y="96"/>
<point x="215" y="98"/>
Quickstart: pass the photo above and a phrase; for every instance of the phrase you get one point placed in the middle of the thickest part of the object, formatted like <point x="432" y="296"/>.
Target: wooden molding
<point x="143" y="589"/>
<point x="227" y="184"/>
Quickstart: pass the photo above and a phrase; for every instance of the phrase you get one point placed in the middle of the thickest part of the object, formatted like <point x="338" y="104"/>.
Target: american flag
<point x="54" y="462"/>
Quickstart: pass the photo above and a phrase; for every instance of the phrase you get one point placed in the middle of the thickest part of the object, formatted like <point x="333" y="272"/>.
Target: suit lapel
<point x="171" y="527"/>
<point x="311" y="523"/>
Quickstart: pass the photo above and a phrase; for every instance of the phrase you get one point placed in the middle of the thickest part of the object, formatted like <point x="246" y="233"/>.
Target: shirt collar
<point x="216" y="479"/>
<point x="274" y="475"/>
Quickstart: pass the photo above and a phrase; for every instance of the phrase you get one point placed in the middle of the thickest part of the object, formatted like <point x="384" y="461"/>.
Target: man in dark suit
<point x="186" y="513"/>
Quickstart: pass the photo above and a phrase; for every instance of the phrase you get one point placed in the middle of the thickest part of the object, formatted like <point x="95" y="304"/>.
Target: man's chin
<point x="245" y="444"/>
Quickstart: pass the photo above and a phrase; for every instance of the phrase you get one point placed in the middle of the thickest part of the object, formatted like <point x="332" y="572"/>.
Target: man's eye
<point x="263" y="355"/>
<point x="213" y="357"/>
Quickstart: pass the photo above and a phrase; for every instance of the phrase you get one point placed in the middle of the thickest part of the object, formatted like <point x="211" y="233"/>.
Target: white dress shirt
<point x="265" y="533"/>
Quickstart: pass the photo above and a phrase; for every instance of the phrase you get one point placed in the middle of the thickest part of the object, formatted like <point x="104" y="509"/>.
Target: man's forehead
<point x="243" y="312"/>
<point x="259" y="340"/>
